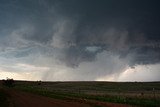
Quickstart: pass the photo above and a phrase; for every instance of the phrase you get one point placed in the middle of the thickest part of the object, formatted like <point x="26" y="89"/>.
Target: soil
<point x="25" y="99"/>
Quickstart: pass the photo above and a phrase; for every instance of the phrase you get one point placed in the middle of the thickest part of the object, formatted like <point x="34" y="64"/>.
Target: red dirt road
<point x="24" y="99"/>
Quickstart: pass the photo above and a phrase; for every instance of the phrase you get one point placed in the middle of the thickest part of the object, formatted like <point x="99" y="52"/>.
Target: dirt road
<point x="24" y="99"/>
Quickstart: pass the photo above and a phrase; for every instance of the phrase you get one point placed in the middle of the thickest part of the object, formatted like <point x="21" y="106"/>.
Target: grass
<point x="102" y="91"/>
<point x="3" y="99"/>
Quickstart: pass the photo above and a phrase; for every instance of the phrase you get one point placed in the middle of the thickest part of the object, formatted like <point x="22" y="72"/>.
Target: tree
<point x="8" y="82"/>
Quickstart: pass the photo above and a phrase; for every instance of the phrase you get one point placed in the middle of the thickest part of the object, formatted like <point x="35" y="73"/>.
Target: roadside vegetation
<point x="135" y="93"/>
<point x="3" y="97"/>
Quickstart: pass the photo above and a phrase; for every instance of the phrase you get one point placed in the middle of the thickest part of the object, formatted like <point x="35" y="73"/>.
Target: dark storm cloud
<point x="127" y="28"/>
<point x="75" y="55"/>
<point x="123" y="27"/>
<point x="17" y="14"/>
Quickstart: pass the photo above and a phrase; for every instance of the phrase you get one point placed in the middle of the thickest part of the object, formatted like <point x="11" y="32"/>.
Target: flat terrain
<point x="24" y="99"/>
<point x="80" y="94"/>
<point x="18" y="98"/>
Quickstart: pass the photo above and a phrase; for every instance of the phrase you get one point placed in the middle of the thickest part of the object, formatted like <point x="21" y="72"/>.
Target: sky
<point x="80" y="40"/>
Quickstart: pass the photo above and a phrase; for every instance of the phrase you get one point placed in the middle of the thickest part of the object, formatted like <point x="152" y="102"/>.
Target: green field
<point x="145" y="94"/>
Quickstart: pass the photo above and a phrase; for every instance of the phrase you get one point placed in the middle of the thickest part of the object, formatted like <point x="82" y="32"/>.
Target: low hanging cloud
<point x="74" y="43"/>
<point x="103" y="65"/>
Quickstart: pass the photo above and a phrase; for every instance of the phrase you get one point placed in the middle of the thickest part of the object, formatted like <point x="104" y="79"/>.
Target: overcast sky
<point x="90" y="40"/>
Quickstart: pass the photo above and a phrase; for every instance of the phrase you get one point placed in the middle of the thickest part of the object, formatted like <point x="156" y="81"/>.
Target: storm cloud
<point x="79" y="39"/>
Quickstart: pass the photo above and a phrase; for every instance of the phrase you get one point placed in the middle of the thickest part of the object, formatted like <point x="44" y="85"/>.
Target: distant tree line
<point x="8" y="82"/>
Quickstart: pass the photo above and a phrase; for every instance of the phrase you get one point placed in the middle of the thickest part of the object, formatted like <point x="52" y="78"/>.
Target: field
<point x="94" y="94"/>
